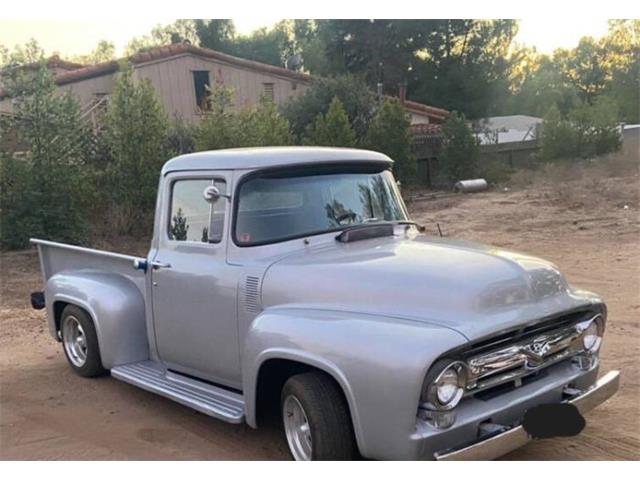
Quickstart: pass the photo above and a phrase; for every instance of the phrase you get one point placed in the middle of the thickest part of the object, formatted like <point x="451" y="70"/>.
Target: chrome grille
<point x="525" y="356"/>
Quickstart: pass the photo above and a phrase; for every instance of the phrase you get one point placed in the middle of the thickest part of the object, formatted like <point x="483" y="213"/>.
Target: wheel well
<point x="271" y="378"/>
<point x="58" y="307"/>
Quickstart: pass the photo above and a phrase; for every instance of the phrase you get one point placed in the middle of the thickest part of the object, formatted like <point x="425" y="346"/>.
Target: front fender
<point x="114" y="303"/>
<point x="380" y="363"/>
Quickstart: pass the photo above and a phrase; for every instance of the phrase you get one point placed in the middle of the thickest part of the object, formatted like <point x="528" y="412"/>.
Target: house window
<point x="268" y="91"/>
<point x="201" y="85"/>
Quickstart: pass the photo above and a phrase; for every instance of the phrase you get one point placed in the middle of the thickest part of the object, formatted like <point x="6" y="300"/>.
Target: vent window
<point x="268" y="91"/>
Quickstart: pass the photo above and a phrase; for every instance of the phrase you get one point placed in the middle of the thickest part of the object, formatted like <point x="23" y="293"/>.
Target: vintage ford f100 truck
<point x="292" y="280"/>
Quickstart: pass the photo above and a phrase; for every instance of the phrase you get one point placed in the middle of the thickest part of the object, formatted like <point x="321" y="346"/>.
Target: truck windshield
<point x="277" y="208"/>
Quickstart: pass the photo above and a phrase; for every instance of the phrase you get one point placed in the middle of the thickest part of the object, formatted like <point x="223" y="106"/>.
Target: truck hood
<point x="475" y="289"/>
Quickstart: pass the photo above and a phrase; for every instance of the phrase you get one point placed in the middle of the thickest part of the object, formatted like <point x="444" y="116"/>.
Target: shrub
<point x="589" y="130"/>
<point x="459" y="154"/>
<point x="595" y="128"/>
<point x="495" y="171"/>
<point x="558" y="138"/>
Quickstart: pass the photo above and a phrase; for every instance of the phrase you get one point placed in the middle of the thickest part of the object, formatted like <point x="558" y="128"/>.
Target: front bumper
<point x="502" y="443"/>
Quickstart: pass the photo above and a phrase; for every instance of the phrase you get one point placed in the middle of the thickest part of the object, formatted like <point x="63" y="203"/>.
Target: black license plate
<point x="553" y="420"/>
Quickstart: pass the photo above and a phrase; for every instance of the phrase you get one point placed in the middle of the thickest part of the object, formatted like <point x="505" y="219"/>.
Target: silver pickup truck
<point x="292" y="281"/>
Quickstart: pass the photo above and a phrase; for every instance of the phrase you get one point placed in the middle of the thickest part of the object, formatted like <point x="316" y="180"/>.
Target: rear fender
<point x="115" y="305"/>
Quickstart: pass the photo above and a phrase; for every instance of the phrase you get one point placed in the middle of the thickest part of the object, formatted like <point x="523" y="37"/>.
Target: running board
<point x="203" y="397"/>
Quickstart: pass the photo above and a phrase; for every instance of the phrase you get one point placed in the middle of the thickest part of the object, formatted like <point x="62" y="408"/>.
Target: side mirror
<point x="211" y="194"/>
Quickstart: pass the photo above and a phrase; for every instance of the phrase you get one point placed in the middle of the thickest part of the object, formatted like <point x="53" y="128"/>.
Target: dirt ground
<point x="588" y="224"/>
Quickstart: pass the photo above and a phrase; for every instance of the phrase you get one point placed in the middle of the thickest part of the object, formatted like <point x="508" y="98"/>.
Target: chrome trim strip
<point x="516" y="437"/>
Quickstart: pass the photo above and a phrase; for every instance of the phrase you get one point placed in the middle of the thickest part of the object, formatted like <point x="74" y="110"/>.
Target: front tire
<point x="80" y="342"/>
<point x="316" y="418"/>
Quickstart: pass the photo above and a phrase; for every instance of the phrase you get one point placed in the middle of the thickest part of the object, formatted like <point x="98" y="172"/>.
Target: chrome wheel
<point x="74" y="341"/>
<point x="296" y="428"/>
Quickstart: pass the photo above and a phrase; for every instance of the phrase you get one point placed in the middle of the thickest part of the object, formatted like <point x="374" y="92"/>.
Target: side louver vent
<point x="251" y="302"/>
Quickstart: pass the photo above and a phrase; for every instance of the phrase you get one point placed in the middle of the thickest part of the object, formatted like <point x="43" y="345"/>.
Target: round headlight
<point x="445" y="385"/>
<point x="448" y="386"/>
<point x="592" y="336"/>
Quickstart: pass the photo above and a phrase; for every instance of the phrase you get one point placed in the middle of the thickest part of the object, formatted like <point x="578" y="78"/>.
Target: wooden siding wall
<point x="173" y="81"/>
<point x="419" y="118"/>
<point x="86" y="91"/>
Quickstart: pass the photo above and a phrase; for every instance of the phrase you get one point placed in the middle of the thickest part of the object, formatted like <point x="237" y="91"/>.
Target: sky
<point x="75" y="37"/>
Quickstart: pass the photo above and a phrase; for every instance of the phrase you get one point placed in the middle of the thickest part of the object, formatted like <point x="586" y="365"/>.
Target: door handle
<point x="157" y="265"/>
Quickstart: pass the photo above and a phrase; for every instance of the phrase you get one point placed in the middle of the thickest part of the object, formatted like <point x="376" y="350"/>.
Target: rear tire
<point x="316" y="418"/>
<point x="80" y="342"/>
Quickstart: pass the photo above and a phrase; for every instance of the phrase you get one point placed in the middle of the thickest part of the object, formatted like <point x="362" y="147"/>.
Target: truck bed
<point x="60" y="257"/>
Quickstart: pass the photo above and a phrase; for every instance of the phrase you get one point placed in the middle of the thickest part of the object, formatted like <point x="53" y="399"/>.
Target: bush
<point x="45" y="192"/>
<point x="495" y="172"/>
<point x="596" y="128"/>
<point x="589" y="130"/>
<point x="459" y="154"/>
<point x="390" y="134"/>
<point x="258" y="126"/>
<point x="332" y="129"/>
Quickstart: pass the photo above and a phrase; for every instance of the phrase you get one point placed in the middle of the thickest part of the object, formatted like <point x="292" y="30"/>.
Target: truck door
<point x="193" y="288"/>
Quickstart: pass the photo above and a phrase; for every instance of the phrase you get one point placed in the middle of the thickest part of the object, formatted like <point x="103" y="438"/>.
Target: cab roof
<point x="265" y="157"/>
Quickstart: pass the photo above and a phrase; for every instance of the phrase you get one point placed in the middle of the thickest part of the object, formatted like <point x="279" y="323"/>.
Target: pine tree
<point x="45" y="191"/>
<point x="332" y="129"/>
<point x="263" y="126"/>
<point x="220" y="127"/>
<point x="389" y="132"/>
<point x="136" y="133"/>
<point x="179" y="228"/>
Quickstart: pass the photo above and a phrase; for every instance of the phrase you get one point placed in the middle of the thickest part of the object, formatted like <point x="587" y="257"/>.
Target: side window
<point x="192" y="216"/>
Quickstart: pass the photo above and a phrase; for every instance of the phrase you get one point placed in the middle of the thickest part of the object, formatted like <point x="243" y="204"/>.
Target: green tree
<point x="263" y="126"/>
<point x="220" y="127"/>
<point x="595" y="128"/>
<point x="588" y="131"/>
<point x="389" y="133"/>
<point x="585" y="68"/>
<point x="623" y="58"/>
<point x="176" y="32"/>
<point x="216" y="34"/>
<point x="104" y="52"/>
<point x="136" y="130"/>
<point x="558" y="139"/>
<point x="357" y="99"/>
<point x="459" y="154"/>
<point x="44" y="189"/>
<point x="542" y="86"/>
<point x="331" y="129"/>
